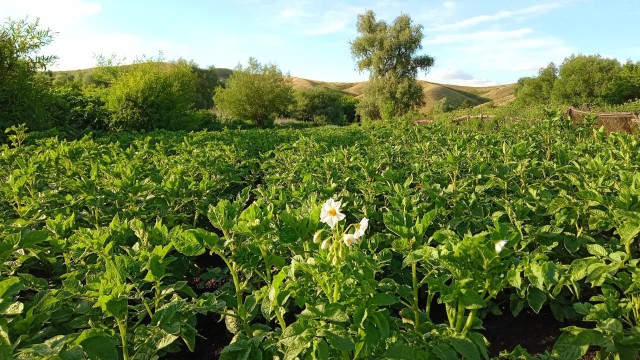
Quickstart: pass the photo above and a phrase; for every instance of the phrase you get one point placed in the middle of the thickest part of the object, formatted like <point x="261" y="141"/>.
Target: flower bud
<point x="325" y="244"/>
<point x="316" y="237"/>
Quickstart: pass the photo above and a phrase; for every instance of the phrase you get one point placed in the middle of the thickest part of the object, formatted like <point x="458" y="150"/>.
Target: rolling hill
<point x="433" y="92"/>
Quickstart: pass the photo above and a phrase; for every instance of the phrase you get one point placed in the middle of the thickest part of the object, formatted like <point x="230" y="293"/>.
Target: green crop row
<point x="333" y="243"/>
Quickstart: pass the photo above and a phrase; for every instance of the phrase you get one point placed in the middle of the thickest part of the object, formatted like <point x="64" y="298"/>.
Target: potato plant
<point x="385" y="242"/>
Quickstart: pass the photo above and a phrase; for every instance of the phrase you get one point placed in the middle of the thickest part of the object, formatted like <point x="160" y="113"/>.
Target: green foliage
<point x="76" y="108"/>
<point x="102" y="240"/>
<point x="319" y="101"/>
<point x="625" y="86"/>
<point x="152" y="95"/>
<point x="387" y="52"/>
<point x="582" y="80"/>
<point x="537" y="90"/>
<point x="257" y="93"/>
<point x="205" y="86"/>
<point x="23" y="97"/>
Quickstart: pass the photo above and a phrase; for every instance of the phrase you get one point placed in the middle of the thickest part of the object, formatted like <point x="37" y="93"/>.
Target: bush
<point x="257" y="93"/>
<point x="24" y="98"/>
<point x="319" y="104"/>
<point x="152" y="95"/>
<point x="75" y="108"/>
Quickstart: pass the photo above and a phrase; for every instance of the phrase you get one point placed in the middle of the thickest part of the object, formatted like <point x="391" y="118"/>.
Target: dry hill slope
<point x="433" y="92"/>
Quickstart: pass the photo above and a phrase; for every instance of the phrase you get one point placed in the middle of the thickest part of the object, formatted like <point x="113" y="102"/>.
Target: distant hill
<point x="454" y="95"/>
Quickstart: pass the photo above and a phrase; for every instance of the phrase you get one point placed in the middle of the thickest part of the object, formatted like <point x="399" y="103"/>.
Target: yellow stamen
<point x="332" y="212"/>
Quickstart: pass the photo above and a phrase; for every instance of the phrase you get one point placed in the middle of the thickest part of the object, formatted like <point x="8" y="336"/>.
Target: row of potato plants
<point x="336" y="243"/>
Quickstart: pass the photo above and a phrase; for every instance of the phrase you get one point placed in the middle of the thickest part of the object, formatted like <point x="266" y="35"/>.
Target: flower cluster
<point x="331" y="215"/>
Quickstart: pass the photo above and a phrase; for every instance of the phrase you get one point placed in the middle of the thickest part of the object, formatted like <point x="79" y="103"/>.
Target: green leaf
<point x="471" y="299"/>
<point x="611" y="325"/>
<point x="596" y="274"/>
<point x="480" y="342"/>
<point x="335" y="312"/>
<point x="597" y="250"/>
<point x="339" y="342"/>
<point x="383" y="299"/>
<point x="465" y="347"/>
<point x="9" y="287"/>
<point x="536" y="299"/>
<point x="187" y="243"/>
<point x="211" y="240"/>
<point x="589" y="337"/>
<point x="628" y="230"/>
<point x="445" y="352"/>
<point x="565" y="349"/>
<point x="322" y="349"/>
<point x="514" y="278"/>
<point x="582" y="308"/>
<point x="100" y="348"/>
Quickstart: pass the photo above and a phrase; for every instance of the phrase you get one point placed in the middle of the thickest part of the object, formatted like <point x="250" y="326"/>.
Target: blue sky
<point x="473" y="42"/>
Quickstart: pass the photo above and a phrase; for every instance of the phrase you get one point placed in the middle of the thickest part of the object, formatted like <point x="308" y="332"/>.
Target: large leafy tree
<point x="257" y="92"/>
<point x="23" y="97"/>
<point x="584" y="79"/>
<point x="388" y="53"/>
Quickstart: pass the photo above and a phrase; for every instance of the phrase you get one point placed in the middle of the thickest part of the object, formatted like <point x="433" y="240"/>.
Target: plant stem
<point x="428" y="307"/>
<point x="459" y="316"/>
<point x="240" y="305"/>
<point x="336" y="291"/>
<point x="416" y="309"/>
<point x="122" y="328"/>
<point x="283" y="324"/>
<point x="470" y="319"/>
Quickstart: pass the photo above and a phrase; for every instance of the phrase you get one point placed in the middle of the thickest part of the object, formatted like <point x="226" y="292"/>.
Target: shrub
<point x="152" y="95"/>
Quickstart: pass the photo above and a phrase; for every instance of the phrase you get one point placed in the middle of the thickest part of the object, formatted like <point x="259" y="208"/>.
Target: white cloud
<point x="479" y="36"/>
<point x="501" y="15"/>
<point x="456" y="76"/>
<point x="288" y="13"/>
<point x="328" y="28"/>
<point x="58" y="15"/>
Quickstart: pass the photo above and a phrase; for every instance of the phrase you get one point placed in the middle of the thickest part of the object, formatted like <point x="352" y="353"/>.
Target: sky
<point x="474" y="42"/>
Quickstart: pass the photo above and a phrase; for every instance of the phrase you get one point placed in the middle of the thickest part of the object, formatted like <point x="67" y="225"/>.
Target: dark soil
<point x="213" y="337"/>
<point x="535" y="332"/>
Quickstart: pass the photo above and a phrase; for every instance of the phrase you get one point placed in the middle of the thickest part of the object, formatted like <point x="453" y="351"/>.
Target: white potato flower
<point x="330" y="213"/>
<point x="350" y="239"/>
<point x="361" y="228"/>
<point x="499" y="246"/>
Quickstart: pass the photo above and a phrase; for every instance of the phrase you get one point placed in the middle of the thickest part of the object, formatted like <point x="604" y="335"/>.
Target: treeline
<point x="149" y="94"/>
<point x="582" y="80"/>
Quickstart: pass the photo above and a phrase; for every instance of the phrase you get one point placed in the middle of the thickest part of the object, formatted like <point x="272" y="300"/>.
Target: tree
<point x="152" y="95"/>
<point x="388" y="51"/>
<point x="23" y="98"/>
<point x="257" y="92"/>
<point x="537" y="90"/>
<point x="626" y="85"/>
<point x="206" y="85"/>
<point x="584" y="79"/>
<point x="319" y="102"/>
